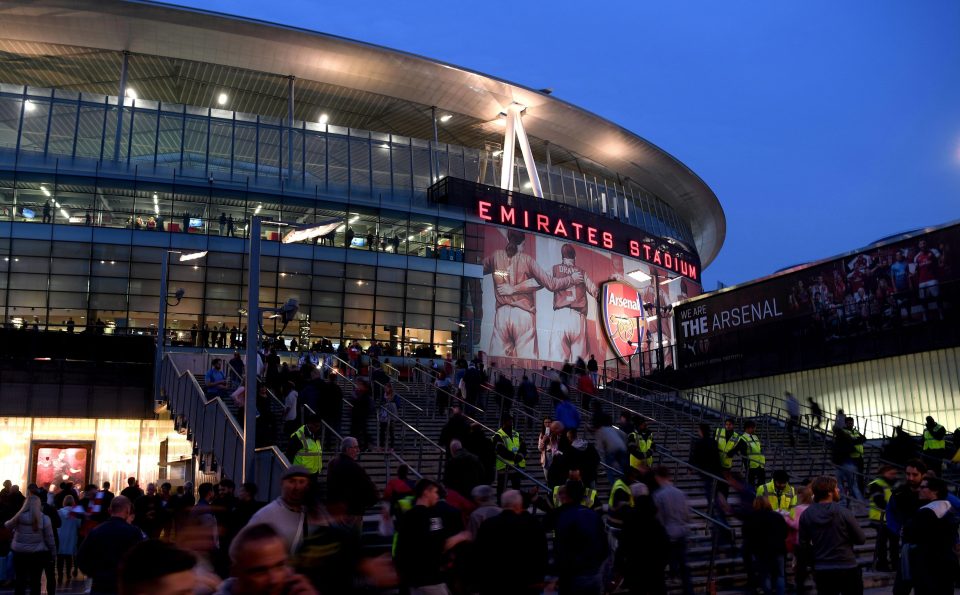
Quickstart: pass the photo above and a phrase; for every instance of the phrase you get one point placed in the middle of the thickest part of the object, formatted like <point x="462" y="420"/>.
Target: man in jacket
<point x="703" y="456"/>
<point x="100" y="553"/>
<point x="580" y="547"/>
<point x="830" y="532"/>
<point x="903" y="504"/>
<point x="349" y="488"/>
<point x="513" y="543"/>
<point x="929" y="538"/>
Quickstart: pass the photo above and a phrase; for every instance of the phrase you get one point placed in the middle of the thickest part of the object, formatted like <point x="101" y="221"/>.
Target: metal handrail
<point x="510" y="465"/>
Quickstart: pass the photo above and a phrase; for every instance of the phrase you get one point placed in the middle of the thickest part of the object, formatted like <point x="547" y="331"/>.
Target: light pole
<point x="162" y="312"/>
<point x="252" y="339"/>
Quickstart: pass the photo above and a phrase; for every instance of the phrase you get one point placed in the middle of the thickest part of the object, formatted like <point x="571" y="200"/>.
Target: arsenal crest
<point x="620" y="305"/>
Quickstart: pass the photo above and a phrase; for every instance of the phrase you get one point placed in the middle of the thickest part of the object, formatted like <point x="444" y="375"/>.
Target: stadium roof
<point x="189" y="56"/>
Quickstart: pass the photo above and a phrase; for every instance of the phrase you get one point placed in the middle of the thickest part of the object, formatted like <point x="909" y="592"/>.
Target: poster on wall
<point x="56" y="462"/>
<point x="893" y="285"/>
<point x="540" y="299"/>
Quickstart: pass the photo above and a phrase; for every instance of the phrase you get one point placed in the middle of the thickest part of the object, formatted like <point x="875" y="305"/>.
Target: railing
<point x="212" y="427"/>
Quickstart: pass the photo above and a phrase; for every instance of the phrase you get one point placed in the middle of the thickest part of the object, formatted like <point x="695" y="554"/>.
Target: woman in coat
<point x="32" y="546"/>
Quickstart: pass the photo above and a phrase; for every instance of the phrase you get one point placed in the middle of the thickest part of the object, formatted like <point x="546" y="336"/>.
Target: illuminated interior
<point x="122" y="447"/>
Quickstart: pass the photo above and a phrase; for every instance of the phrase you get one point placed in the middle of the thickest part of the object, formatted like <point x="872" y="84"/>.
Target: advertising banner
<point x="891" y="285"/>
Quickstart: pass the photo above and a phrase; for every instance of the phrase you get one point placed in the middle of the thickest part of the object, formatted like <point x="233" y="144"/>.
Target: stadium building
<point x="465" y="213"/>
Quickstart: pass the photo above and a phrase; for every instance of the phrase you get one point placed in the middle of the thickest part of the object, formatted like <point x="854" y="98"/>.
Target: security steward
<point x="878" y="492"/>
<point x="620" y="492"/>
<point x="751" y="448"/>
<point x="856" y="455"/>
<point x="727" y="440"/>
<point x="305" y="448"/>
<point x="934" y="443"/>
<point x="782" y="496"/>
<point x="640" y="446"/>
<point x="589" y="499"/>
<point x="511" y="454"/>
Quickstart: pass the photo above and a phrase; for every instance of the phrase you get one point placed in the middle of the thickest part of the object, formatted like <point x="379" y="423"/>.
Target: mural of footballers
<point x="570" y="309"/>
<point x="516" y="278"/>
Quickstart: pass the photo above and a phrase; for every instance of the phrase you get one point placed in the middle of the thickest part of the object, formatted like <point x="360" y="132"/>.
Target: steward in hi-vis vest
<point x="934" y="439"/>
<point x="751" y="449"/>
<point x="782" y="496"/>
<point x="726" y="440"/>
<point x="640" y="446"/>
<point x="879" y="492"/>
<point x="305" y="447"/>
<point x="511" y="454"/>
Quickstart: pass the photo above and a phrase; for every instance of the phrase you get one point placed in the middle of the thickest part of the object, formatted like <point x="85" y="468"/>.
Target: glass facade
<point x="93" y="192"/>
<point x="71" y="131"/>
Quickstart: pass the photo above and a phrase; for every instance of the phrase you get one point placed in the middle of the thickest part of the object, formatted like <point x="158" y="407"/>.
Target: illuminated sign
<point x="571" y="229"/>
<point x="514" y="209"/>
<point x="622" y="310"/>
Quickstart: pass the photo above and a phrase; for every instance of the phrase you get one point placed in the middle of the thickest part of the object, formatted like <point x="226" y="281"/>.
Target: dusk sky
<point x="820" y="125"/>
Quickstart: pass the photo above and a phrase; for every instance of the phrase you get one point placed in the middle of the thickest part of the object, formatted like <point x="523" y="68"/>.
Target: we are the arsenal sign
<point x="621" y="306"/>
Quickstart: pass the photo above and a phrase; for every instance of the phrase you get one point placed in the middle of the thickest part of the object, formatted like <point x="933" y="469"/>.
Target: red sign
<point x="622" y="310"/>
<point x="570" y="229"/>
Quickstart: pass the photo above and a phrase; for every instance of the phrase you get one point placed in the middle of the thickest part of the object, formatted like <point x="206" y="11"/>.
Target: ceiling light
<point x="445" y="118"/>
<point x="45" y="191"/>
<point x="131" y="93"/>
<point x="354" y="219"/>
<point x="257" y="212"/>
<point x="669" y="280"/>
<point x="222" y="99"/>
<point x="29" y="106"/>
<point x="195" y="267"/>
<point x="65" y="214"/>
<point x="527" y="185"/>
<point x="314" y="231"/>
<point x="324" y="118"/>
<point x="639" y="276"/>
<point x="192" y="256"/>
<point x="410" y="238"/>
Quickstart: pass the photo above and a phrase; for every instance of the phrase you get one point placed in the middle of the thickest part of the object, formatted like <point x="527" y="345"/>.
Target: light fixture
<point x="131" y="93"/>
<point x="257" y="212"/>
<point x="44" y="190"/>
<point x="283" y="274"/>
<point x="65" y="214"/>
<point x="222" y="99"/>
<point x="29" y="106"/>
<point x="410" y="238"/>
<point x="528" y="185"/>
<point x="113" y="262"/>
<point x="196" y="268"/>
<point x="192" y="256"/>
<point x="639" y="275"/>
<point x="670" y="280"/>
<point x="314" y="231"/>
<point x="445" y="117"/>
<point x="355" y="218"/>
<point x="324" y="118"/>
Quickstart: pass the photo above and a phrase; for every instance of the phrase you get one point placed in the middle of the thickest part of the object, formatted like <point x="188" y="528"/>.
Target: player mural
<point x="540" y="296"/>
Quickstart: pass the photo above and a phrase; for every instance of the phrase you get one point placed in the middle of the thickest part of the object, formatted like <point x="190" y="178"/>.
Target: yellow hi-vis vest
<point x="620" y="486"/>
<point x="310" y="453"/>
<point x="857" y="448"/>
<point x="644" y="445"/>
<point x="754" y="452"/>
<point x="513" y="445"/>
<point x="876" y="513"/>
<point x="589" y="497"/>
<point x="785" y="502"/>
<point x="725" y="446"/>
<point x="931" y="443"/>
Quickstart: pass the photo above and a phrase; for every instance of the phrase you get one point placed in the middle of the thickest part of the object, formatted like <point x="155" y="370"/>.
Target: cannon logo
<point x="621" y="306"/>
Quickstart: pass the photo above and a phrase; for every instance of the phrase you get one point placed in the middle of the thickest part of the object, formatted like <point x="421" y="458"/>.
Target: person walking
<point x="673" y="511"/>
<point x="929" y="539"/>
<point x="350" y="491"/>
<point x="100" y="553"/>
<point x="793" y="413"/>
<point x="69" y="534"/>
<point x="514" y="543"/>
<point x="830" y="532"/>
<point x="816" y="414"/>
<point x="32" y="546"/>
<point x="580" y="547"/>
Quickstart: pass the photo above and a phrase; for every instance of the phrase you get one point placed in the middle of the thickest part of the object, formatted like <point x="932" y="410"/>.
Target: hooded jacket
<point x="831" y="531"/>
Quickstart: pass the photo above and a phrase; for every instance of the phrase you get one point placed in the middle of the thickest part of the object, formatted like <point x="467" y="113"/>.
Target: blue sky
<point x="820" y="125"/>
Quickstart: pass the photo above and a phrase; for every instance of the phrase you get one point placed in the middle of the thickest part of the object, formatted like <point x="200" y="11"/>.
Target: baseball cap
<point x="296" y="471"/>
